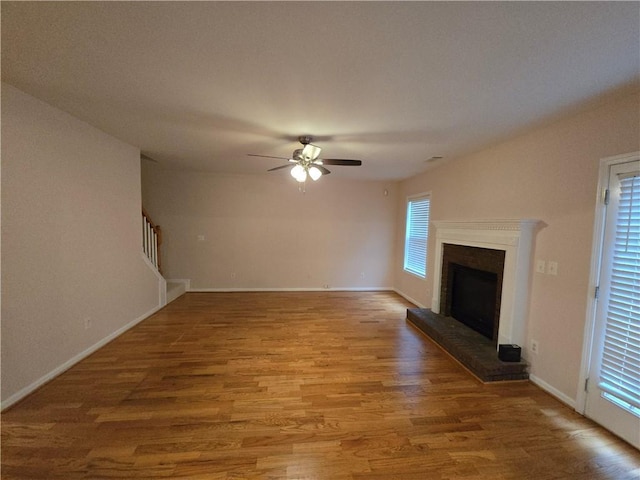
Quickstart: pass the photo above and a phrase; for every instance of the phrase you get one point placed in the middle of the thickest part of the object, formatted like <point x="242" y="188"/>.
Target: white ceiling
<point x="199" y="85"/>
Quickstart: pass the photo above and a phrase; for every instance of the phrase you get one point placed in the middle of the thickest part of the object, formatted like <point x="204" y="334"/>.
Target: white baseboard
<point x="72" y="361"/>
<point x="553" y="391"/>
<point x="331" y="289"/>
<point x="407" y="297"/>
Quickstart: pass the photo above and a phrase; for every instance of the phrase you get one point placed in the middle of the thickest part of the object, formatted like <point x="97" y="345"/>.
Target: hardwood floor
<point x="331" y="385"/>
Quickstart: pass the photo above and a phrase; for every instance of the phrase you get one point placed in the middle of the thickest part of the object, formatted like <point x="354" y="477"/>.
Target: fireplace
<point x="471" y="287"/>
<point x="500" y="247"/>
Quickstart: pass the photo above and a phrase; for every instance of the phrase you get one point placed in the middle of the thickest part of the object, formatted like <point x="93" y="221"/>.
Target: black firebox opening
<point x="473" y="298"/>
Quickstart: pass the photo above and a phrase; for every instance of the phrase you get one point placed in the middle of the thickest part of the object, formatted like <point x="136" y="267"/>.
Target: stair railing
<point x="151" y="240"/>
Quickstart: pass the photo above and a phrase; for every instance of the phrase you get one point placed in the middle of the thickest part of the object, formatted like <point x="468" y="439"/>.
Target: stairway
<point x="151" y="243"/>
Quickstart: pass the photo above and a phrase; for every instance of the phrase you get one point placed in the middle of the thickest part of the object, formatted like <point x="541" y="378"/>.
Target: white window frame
<point x="408" y="262"/>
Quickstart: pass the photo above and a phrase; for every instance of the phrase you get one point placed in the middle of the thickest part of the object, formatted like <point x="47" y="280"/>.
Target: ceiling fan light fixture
<point x="299" y="173"/>
<point x="314" y="173"/>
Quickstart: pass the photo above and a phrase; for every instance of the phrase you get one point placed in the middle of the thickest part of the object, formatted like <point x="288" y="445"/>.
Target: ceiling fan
<point x="307" y="162"/>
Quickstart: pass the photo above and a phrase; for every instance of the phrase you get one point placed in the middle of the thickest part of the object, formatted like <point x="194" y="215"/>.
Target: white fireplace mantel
<point x="515" y="238"/>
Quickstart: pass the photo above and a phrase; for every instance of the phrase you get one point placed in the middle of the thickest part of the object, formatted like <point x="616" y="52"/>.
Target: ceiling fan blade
<point x="321" y="168"/>
<point x="280" y="167"/>
<point x="266" y="156"/>
<point x="340" y="161"/>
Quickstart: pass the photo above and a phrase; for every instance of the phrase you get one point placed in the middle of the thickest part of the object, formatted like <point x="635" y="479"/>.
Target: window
<point x="415" y="246"/>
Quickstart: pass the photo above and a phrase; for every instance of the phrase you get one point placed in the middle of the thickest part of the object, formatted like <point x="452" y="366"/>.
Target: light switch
<point x="552" y="268"/>
<point x="540" y="266"/>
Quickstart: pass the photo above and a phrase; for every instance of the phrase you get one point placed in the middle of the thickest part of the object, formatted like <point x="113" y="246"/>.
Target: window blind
<point x="415" y="249"/>
<point x="620" y="371"/>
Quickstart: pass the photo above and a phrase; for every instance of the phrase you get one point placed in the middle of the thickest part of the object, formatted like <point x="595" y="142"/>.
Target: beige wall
<point x="71" y="246"/>
<point x="549" y="174"/>
<point x="260" y="232"/>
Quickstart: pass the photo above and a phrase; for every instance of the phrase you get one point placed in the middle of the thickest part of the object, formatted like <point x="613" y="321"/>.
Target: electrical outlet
<point x="361" y="274"/>
<point x="201" y="238"/>
<point x="534" y="347"/>
<point x="552" y="268"/>
<point x="540" y="266"/>
<point x="233" y="274"/>
<point x="87" y="323"/>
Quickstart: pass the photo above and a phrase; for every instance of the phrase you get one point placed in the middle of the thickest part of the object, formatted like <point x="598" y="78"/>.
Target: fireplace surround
<point x="513" y="239"/>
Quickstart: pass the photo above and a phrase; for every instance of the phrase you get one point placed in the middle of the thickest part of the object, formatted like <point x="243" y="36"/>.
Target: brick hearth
<point x="473" y="350"/>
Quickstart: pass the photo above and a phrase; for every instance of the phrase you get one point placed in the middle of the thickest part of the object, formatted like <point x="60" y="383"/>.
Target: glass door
<point x="613" y="393"/>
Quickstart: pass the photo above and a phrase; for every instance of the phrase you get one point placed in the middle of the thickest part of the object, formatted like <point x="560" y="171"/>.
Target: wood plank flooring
<point x="326" y="385"/>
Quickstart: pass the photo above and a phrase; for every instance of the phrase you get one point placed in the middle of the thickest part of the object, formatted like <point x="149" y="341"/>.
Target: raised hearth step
<point x="476" y="352"/>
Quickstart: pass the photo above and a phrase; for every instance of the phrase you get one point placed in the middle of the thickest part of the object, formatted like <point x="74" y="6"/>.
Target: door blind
<point x="620" y="371"/>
